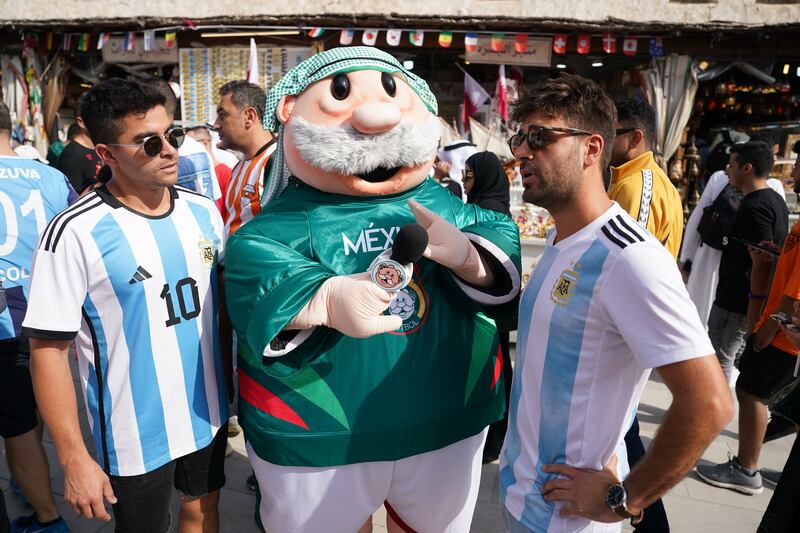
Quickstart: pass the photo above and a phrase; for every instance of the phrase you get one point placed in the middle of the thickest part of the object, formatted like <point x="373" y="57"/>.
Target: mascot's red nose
<point x="376" y="117"/>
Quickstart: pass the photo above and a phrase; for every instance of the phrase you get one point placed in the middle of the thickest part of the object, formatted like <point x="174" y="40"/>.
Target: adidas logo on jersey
<point x="140" y="275"/>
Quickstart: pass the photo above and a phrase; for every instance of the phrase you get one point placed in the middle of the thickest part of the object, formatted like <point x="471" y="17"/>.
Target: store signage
<point x="537" y="53"/>
<point x="114" y="52"/>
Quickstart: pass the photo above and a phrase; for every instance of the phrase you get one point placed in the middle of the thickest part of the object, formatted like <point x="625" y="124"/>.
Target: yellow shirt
<point x="642" y="189"/>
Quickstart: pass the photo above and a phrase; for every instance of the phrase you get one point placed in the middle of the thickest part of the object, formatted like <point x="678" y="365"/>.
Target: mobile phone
<point x="785" y="320"/>
<point x="757" y="246"/>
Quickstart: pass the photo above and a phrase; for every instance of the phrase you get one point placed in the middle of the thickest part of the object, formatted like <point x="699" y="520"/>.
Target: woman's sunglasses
<point x="537" y="137"/>
<point x="153" y="144"/>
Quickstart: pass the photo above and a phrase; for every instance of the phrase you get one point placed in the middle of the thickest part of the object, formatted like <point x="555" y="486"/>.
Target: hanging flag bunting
<point x="30" y="39"/>
<point x="471" y="42"/>
<point x="656" y="47"/>
<point x="584" y="43"/>
<point x="189" y="22"/>
<point x="129" y="44"/>
<point x="102" y="40"/>
<point x="445" y="39"/>
<point x="416" y="37"/>
<point x="502" y="93"/>
<point x="393" y="37"/>
<point x="474" y="95"/>
<point x="560" y="43"/>
<point x="66" y="41"/>
<point x="498" y="42"/>
<point x="252" y="63"/>
<point x="369" y="37"/>
<point x="609" y="43"/>
<point x="149" y="40"/>
<point x="629" y="46"/>
<point x="346" y="37"/>
<point x="48" y="40"/>
<point x="83" y="42"/>
<point x="170" y="40"/>
<point x="521" y="43"/>
<point x="316" y="32"/>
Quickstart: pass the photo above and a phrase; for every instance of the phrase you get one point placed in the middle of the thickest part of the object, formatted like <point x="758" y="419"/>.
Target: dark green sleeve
<point x="268" y="282"/>
<point x="497" y="238"/>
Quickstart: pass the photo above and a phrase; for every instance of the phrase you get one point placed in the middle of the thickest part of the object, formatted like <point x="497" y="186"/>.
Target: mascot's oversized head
<point x="352" y="121"/>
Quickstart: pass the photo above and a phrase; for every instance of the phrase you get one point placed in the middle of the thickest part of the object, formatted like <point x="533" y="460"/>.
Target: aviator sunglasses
<point x="153" y="144"/>
<point x="537" y="138"/>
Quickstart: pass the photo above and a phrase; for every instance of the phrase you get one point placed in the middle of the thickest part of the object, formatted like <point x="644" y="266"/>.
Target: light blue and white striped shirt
<point x="603" y="307"/>
<point x="138" y="294"/>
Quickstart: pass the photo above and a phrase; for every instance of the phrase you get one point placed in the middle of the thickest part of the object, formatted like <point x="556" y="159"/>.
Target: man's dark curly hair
<point x="104" y="106"/>
<point x="580" y="102"/>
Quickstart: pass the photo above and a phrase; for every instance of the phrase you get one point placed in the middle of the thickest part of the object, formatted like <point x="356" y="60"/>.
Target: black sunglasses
<point x="623" y="131"/>
<point x="153" y="144"/>
<point x="537" y="139"/>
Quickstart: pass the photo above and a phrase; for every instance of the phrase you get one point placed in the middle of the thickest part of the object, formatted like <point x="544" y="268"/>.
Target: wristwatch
<point x="617" y="499"/>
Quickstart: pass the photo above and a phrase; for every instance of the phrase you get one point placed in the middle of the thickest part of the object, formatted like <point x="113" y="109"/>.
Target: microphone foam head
<point x="409" y="244"/>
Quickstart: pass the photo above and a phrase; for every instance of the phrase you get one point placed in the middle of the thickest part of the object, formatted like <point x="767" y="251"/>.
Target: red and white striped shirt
<point x="243" y="197"/>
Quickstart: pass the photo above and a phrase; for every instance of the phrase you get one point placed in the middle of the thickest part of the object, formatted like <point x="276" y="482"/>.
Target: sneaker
<point x="251" y="482"/>
<point x="771" y="475"/>
<point x="233" y="427"/>
<point x="29" y="524"/>
<point x="730" y="475"/>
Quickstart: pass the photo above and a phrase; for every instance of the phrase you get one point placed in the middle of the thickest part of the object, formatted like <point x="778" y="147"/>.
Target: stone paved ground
<point x="692" y="506"/>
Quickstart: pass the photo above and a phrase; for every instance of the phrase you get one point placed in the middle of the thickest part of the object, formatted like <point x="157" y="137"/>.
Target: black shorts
<point x="764" y="373"/>
<point x="17" y="403"/>
<point x="143" y="501"/>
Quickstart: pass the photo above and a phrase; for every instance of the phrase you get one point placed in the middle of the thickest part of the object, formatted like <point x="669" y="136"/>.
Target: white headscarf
<point x="456" y="154"/>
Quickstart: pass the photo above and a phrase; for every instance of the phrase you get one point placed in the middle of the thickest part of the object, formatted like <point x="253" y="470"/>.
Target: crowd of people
<point x="178" y="274"/>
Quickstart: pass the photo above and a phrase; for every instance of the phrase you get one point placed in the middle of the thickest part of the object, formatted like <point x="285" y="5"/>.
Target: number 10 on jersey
<point x="187" y="312"/>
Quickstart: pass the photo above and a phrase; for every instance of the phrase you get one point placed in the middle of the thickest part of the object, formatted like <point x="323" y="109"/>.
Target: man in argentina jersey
<point x="31" y="194"/>
<point x="130" y="273"/>
<point x="605" y="304"/>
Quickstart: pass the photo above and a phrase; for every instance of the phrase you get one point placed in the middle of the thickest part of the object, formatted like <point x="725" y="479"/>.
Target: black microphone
<point x="410" y="244"/>
<point x="393" y="271"/>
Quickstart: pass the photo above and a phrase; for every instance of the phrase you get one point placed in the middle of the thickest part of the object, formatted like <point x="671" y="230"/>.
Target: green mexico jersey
<point x="321" y="398"/>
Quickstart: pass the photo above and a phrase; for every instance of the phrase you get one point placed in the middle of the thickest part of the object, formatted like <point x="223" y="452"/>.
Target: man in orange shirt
<point x="767" y="364"/>
<point x="240" y="118"/>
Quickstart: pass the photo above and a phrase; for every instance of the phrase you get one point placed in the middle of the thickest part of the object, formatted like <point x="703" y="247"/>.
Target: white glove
<point x="448" y="246"/>
<point x="351" y="304"/>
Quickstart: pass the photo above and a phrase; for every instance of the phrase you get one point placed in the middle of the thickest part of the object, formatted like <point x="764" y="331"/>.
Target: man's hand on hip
<point x="582" y="491"/>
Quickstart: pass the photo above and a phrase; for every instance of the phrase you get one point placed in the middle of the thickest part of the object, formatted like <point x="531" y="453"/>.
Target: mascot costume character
<point x="353" y="393"/>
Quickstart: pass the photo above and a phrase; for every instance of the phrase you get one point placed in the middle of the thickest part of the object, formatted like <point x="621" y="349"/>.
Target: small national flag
<point x="252" y="63"/>
<point x="474" y="95"/>
<point x="84" y="41"/>
<point x="31" y="39"/>
<point x="346" y="37"/>
<point x="560" y="43"/>
<point x="609" y="43"/>
<point x="629" y="45"/>
<point x="498" y="42"/>
<point x="471" y="42"/>
<point x="149" y="40"/>
<point x="445" y="39"/>
<point x="584" y="43"/>
<point x="48" y="40"/>
<point x="66" y="41"/>
<point x="102" y="40"/>
<point x="170" y="39"/>
<point x="129" y="44"/>
<point x="416" y="37"/>
<point x="521" y="43"/>
<point x="502" y="94"/>
<point x="393" y="37"/>
<point x="369" y="37"/>
<point x="316" y="32"/>
<point x="656" y="47"/>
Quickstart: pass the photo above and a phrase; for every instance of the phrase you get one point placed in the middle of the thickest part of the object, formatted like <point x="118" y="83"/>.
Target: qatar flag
<point x="474" y="96"/>
<point x="502" y="94"/>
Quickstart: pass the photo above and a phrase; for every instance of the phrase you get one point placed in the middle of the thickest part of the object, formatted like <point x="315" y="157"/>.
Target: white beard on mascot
<point x="352" y="395"/>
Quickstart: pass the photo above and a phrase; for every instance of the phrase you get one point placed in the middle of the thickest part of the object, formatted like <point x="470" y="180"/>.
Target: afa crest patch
<point x="564" y="287"/>
<point x="207" y="251"/>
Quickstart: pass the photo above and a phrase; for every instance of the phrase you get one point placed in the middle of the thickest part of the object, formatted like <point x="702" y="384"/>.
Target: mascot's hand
<point x="351" y="304"/>
<point x="448" y="246"/>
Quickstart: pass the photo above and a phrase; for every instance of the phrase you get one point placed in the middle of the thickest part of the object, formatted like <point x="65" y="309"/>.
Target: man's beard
<point x="557" y="186"/>
<point x="372" y="157"/>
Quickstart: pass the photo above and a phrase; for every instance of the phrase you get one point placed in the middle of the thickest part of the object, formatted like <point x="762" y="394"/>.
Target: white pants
<point x="433" y="492"/>
<point x="703" y="279"/>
